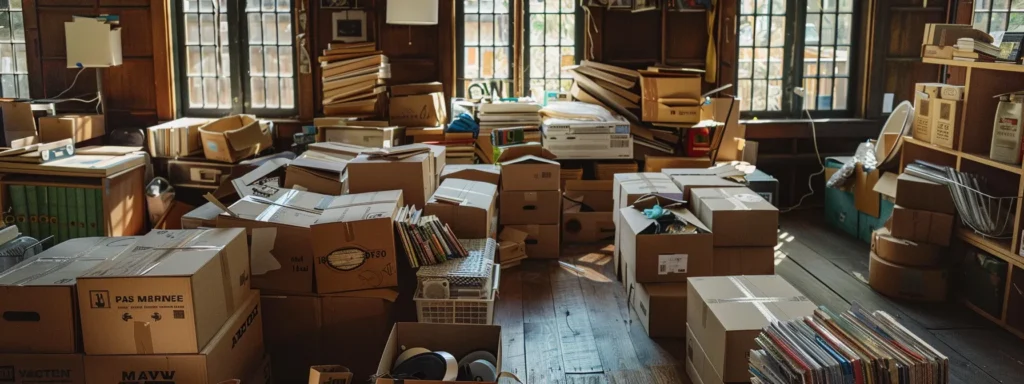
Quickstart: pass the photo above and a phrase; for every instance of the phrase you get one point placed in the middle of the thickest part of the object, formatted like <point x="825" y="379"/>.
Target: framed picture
<point x="349" y="26"/>
<point x="1010" y="47"/>
<point x="339" y="4"/>
<point x="644" y="5"/>
<point x="611" y="4"/>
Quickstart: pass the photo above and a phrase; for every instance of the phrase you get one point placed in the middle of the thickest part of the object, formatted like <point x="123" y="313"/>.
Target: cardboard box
<point x="533" y="207"/>
<point x="910" y="283"/>
<point x="440" y="153"/>
<point x="734" y="261"/>
<point x="413" y="175"/>
<point x="37" y="297"/>
<point x="664" y="258"/>
<point x="529" y="168"/>
<point x="670" y="97"/>
<point x="302" y="331"/>
<point x="188" y="172"/>
<point x="175" y="138"/>
<point x="913" y="192"/>
<point x="921" y="226"/>
<point x="588" y="211"/>
<point x="511" y="245"/>
<point x="203" y="217"/>
<point x="19" y="124"/>
<point x="727" y="313"/>
<point x="42" y="368"/>
<point x="688" y="182"/>
<point x="627" y="187"/>
<point x="329" y="374"/>
<point x="487" y="173"/>
<point x="317" y="172"/>
<point x="456" y="339"/>
<point x="92" y="43"/>
<point x="542" y="241"/>
<point x="659" y="307"/>
<point x="169" y="294"/>
<point x="660" y="163"/>
<point x="945" y="122"/>
<point x="738" y="216"/>
<point x="595" y="194"/>
<point x="340" y="150"/>
<point x="698" y="367"/>
<point x="905" y="252"/>
<point x="418" y="105"/>
<point x="924" y="95"/>
<point x="370" y="137"/>
<point x="233" y="138"/>
<point x="76" y="127"/>
<point x="468" y="207"/>
<point x="236" y="350"/>
<point x="587" y="227"/>
<point x="354" y="242"/>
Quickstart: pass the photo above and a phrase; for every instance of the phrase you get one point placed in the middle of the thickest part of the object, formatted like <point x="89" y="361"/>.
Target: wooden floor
<point x="567" y="321"/>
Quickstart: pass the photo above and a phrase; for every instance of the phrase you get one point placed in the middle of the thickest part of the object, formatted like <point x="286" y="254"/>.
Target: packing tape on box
<point x="750" y="297"/>
<point x="60" y="263"/>
<point x="737" y="201"/>
<point x="644" y="180"/>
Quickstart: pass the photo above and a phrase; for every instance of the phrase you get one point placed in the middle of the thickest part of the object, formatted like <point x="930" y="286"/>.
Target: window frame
<point x="578" y="40"/>
<point x="460" y="46"/>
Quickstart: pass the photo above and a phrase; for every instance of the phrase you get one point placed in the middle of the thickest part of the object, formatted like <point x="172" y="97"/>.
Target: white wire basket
<point x="989" y="216"/>
<point x="458" y="310"/>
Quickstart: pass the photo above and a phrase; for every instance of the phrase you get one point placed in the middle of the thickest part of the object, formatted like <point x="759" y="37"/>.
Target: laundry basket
<point x="458" y="310"/>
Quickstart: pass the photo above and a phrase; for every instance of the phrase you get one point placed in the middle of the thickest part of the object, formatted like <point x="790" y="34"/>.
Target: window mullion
<point x="796" y="18"/>
<point x="236" y="37"/>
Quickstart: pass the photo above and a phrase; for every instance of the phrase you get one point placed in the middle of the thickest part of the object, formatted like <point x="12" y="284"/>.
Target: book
<point x="425" y="239"/>
<point x="19" y="204"/>
<point x="967" y="44"/>
<point x="44" y="212"/>
<point x="53" y="210"/>
<point x="62" y="212"/>
<point x="81" y="207"/>
<point x="362" y="44"/>
<point x="383" y="71"/>
<point x="340" y="67"/>
<point x="33" y="210"/>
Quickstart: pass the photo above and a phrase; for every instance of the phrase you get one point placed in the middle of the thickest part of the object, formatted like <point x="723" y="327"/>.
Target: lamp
<point x="412" y="12"/>
<point x="94" y="42"/>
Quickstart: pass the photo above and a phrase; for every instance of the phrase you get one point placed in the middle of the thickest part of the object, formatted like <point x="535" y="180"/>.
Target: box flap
<point x="63" y="263"/>
<point x="416" y="89"/>
<point x="512" y="235"/>
<point x="639" y="223"/>
<point x="864" y="197"/>
<point x="450" y="169"/>
<point x="465" y="193"/>
<point x="513" y="152"/>
<point x="529" y="159"/>
<point x="361" y="206"/>
<point x="734" y="199"/>
<point x="886" y="184"/>
<point x="321" y="162"/>
<point x="343" y="150"/>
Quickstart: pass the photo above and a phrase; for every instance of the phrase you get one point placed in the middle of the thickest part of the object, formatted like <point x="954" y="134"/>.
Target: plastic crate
<point x="458" y="311"/>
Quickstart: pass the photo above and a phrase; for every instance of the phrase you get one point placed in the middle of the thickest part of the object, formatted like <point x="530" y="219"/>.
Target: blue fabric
<point x="464" y="122"/>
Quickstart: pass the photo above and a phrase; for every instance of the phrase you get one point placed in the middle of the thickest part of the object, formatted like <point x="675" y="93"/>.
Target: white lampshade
<point x="412" y="12"/>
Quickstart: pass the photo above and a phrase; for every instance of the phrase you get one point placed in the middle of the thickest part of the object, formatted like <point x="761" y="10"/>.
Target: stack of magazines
<point x="426" y="240"/>
<point x="851" y="347"/>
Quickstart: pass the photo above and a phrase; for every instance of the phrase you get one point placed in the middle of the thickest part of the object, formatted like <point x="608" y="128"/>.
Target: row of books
<point x="65" y="213"/>
<point x="353" y="76"/>
<point x="851" y="347"/>
<point x="426" y="240"/>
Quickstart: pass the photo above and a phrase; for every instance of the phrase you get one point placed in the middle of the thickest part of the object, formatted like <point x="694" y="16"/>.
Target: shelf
<point x="1004" y="67"/>
<point x="932" y="146"/>
<point x="997" y="247"/>
<point x="980" y="159"/>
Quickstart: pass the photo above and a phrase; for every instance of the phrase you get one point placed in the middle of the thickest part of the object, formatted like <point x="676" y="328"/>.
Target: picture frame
<point x="644" y="5"/>
<point x="1010" y="48"/>
<point x="339" y="4"/>
<point x="611" y="4"/>
<point x="348" y="26"/>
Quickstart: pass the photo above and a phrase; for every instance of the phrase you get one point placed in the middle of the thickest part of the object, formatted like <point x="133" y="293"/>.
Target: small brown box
<point x="413" y="175"/>
<point x="529" y="168"/>
<point x="418" y="105"/>
<point x="354" y="242"/>
<point x="920" y="226"/>
<point x="739" y="217"/>
<point x="660" y="306"/>
<point x="542" y="241"/>
<point x="76" y="127"/>
<point x="317" y="172"/>
<point x="466" y="206"/>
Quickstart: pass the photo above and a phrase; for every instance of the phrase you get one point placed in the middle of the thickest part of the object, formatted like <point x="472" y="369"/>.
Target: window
<point x="485" y="52"/>
<point x="770" y="34"/>
<point x="217" y="77"/>
<point x="552" y="43"/>
<point x="13" y="59"/>
<point x="999" y="15"/>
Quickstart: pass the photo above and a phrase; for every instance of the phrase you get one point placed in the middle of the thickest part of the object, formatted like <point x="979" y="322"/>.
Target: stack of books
<point x="851" y="347"/>
<point x="524" y="117"/>
<point x="968" y="49"/>
<point x="426" y="240"/>
<point x="354" y="77"/>
<point x="460" y="147"/>
<point x="615" y="88"/>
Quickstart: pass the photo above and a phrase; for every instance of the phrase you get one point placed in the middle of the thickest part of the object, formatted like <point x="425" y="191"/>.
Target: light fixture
<point x="412" y="12"/>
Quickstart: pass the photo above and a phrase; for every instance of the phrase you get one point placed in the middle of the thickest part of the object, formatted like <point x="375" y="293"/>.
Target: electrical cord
<point x="73" y="82"/>
<point x="817" y="155"/>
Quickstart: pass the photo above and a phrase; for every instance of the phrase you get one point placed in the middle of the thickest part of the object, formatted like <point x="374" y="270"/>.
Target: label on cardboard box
<point x="672" y="264"/>
<point x="922" y="119"/>
<point x="944" y="122"/>
<point x="354" y="242"/>
<point x="41" y="369"/>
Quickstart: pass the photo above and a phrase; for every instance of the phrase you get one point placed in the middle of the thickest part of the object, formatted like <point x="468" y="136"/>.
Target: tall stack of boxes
<point x="745" y="227"/>
<point x="530" y="198"/>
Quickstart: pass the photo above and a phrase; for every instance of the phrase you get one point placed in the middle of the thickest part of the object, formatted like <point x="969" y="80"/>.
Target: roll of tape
<point x="409" y="353"/>
<point x="479" y="370"/>
<point x="478" y="355"/>
<point x="452" y="366"/>
<point x="425" y="366"/>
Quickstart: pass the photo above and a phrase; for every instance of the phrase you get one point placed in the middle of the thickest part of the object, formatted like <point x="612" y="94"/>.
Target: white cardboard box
<point x="92" y="43"/>
<point x="589" y="146"/>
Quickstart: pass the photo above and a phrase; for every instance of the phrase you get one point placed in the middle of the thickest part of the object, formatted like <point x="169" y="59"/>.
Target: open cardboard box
<point x="457" y="339"/>
<point x="529" y="167"/>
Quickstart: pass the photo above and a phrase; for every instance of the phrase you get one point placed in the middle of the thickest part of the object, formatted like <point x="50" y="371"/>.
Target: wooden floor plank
<point x="575" y="332"/>
<point x="509" y="315"/>
<point x="586" y="378"/>
<point x="810" y="286"/>
<point x="543" y="355"/>
<point x="990" y="350"/>
<point x="538" y="305"/>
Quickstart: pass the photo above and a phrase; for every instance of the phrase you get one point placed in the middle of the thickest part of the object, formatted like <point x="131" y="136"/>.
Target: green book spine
<point x="101" y="216"/>
<point x="19" y="205"/>
<point x="44" y="213"/>
<point x="62" y="211"/>
<point x="81" y="205"/>
<point x="72" y="213"/>
<point x="33" y="211"/>
<point x="93" y="197"/>
<point x="54" y="212"/>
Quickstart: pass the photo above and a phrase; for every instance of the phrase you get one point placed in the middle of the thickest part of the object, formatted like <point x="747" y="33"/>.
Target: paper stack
<point x="612" y="87"/>
<point x="522" y="118"/>
<point x="353" y="79"/>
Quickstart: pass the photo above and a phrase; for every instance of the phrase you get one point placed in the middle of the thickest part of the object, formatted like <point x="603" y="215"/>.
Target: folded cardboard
<point x="170" y="293"/>
<point x="906" y="252"/>
<point x="354" y="246"/>
<point x="37" y="296"/>
<point x="487" y="173"/>
<point x="664" y="257"/>
<point x="927" y="284"/>
<point x="329" y="374"/>
<point x="587" y="227"/>
<point x="529" y="168"/>
<point x="687" y="183"/>
<point x="75" y="127"/>
<point x="511" y="245"/>
<point x="670" y="97"/>
<point x="734" y="261"/>
<point x="945" y="120"/>
<point x="304" y="330"/>
<point x="542" y="240"/>
<point x="660" y="163"/>
<point x="418" y="105"/>
<point x="660" y="306"/>
<point x="468" y="207"/>
<point x="339" y="150"/>
<point x="920" y="226"/>
<point x="530" y="207"/>
<point x="913" y="192"/>
<point x="727" y="313"/>
<point x="413" y="175"/>
<point x="739" y="217"/>
<point x="236" y="350"/>
<point x="42" y="369"/>
<point x="456" y="339"/>
<point x="317" y="172"/>
<point x="176" y="138"/>
<point x="370" y="137"/>
<point x="233" y="138"/>
<point x="440" y="153"/>
<point x="205" y="216"/>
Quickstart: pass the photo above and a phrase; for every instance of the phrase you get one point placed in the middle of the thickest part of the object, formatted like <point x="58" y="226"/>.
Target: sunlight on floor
<point x="585" y="272"/>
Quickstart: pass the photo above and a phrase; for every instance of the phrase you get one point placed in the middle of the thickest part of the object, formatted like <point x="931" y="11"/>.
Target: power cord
<point x="814" y="135"/>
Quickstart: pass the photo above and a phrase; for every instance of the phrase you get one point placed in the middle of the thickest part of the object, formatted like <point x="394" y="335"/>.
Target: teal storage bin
<point x="867" y="223"/>
<point x="840" y="211"/>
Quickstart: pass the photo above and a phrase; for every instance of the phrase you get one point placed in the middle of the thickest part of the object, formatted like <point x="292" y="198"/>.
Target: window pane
<point x="5" y="27"/>
<point x="257" y="92"/>
<point x="486" y="29"/>
<point x="18" y="27"/>
<point x="551" y="34"/>
<point x="255" y="28"/>
<point x="255" y="61"/>
<point x="269" y="29"/>
<point x="285" y="61"/>
<point x="486" y="42"/>
<point x="271" y="82"/>
<point x="287" y="93"/>
<point x="826" y="55"/>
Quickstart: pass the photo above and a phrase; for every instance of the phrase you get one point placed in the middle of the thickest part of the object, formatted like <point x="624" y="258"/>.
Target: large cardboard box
<point x="727" y="313"/>
<point x="418" y="105"/>
<point x="354" y="242"/>
<point x="76" y="127"/>
<point x="687" y="183"/>
<point x="456" y="339"/>
<point x="739" y="217"/>
<point x="928" y="284"/>
<point x="530" y="207"/>
<point x="698" y="367"/>
<point x="529" y="168"/>
<point x="906" y="252"/>
<point x="731" y="261"/>
<point x="920" y="226"/>
<point x="317" y="172"/>
<point x="37" y="297"/>
<point x="233" y="138"/>
<point x="175" y="138"/>
<point x="542" y="240"/>
<point x="587" y="227"/>
<point x="302" y="331"/>
<point x="370" y="137"/>
<point x="169" y="294"/>
<point x="660" y="307"/>
<point x="487" y="173"/>
<point x="670" y="97"/>
<point x="945" y="122"/>
<point x="413" y="175"/>
<point x="627" y="187"/>
<point x="42" y="368"/>
<point x="913" y="192"/>
<point x="468" y="207"/>
<point x="595" y="194"/>
<point x="236" y="350"/>
<point x="205" y="216"/>
<point x="588" y="211"/>
<point x="664" y="257"/>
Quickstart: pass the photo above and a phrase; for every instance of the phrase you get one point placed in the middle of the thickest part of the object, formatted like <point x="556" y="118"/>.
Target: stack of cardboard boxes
<point x="626" y="189"/>
<point x="909" y="255"/>
<point x="745" y="228"/>
<point x="588" y="211"/>
<point x="530" y="198"/>
<point x="416" y="174"/>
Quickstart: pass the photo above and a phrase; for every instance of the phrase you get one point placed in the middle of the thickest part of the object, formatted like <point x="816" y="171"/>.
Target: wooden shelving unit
<point x="983" y="82"/>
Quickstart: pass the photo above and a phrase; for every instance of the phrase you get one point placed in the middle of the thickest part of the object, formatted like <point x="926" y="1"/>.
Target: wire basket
<point x="989" y="216"/>
<point x="458" y="310"/>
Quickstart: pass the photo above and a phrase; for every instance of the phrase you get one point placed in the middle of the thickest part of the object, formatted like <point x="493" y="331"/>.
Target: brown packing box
<point x="354" y="242"/>
<point x="511" y="245"/>
<point x="739" y="217"/>
<point x="660" y="307"/>
<point x="670" y="97"/>
<point x="203" y="217"/>
<point x="233" y="138"/>
<point x="686" y="183"/>
<point x="945" y="120"/>
<point x="596" y="194"/>
<point x="587" y="227"/>
<point x="658" y="163"/>
<point x="19" y="123"/>
<point x="467" y="206"/>
<point x="200" y="173"/>
<point x="487" y="173"/>
<point x="529" y="168"/>
<point x="169" y="294"/>
<point x="172" y="219"/>
<point x="911" y="283"/>
<point x="236" y="350"/>
<point x="905" y="252"/>
<point x="178" y="138"/>
<point x="456" y="339"/>
<point x="592" y="221"/>
<point x="542" y="241"/>
<point x="698" y="367"/>
<point x="302" y="331"/>
<point x="727" y="313"/>
<point x="418" y="105"/>
<point x="329" y="374"/>
<point x="865" y="196"/>
<point x="920" y="226"/>
<point x="37" y="297"/>
<point x="664" y="258"/>
<point x="534" y="207"/>
<point x="42" y="368"/>
<point x="730" y="261"/>
<point x="317" y="172"/>
<point x="76" y="127"/>
<point x="913" y="192"/>
<point x="413" y="175"/>
<point x="370" y="137"/>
